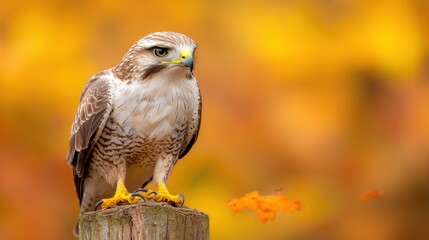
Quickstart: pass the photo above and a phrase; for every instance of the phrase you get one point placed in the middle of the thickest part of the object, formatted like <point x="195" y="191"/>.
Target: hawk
<point x="134" y="122"/>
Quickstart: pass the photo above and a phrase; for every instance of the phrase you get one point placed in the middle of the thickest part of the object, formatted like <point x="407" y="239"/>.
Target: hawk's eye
<point x="160" y="52"/>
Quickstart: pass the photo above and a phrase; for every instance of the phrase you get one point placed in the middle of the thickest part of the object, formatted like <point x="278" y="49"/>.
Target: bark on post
<point x="144" y="221"/>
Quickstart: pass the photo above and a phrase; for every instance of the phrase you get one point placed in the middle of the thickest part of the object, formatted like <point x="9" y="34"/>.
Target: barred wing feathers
<point x="93" y="111"/>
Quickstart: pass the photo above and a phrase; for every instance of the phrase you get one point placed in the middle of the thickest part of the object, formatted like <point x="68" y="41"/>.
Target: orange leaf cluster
<point x="373" y="194"/>
<point x="265" y="206"/>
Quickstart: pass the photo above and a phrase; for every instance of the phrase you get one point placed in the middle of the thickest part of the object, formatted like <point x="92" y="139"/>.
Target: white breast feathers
<point x="155" y="107"/>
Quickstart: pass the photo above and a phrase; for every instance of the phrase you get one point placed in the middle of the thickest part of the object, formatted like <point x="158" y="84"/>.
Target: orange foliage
<point x="373" y="194"/>
<point x="265" y="206"/>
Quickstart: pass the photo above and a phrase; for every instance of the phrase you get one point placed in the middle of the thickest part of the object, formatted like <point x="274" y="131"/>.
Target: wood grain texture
<point x="144" y="221"/>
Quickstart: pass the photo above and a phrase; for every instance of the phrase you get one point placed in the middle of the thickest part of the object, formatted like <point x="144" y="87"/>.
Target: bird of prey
<point x="134" y="122"/>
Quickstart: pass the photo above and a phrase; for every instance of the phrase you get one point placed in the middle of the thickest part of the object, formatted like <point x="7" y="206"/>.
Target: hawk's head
<point x="156" y="52"/>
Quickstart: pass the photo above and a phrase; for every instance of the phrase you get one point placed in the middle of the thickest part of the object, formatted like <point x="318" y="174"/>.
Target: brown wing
<point x="192" y="139"/>
<point x="92" y="114"/>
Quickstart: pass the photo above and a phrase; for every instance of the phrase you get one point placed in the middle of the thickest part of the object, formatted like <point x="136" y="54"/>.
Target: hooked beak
<point x="187" y="59"/>
<point x="188" y="62"/>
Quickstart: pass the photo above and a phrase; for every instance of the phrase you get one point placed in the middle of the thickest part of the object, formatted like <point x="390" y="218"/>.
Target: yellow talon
<point x="121" y="196"/>
<point x="163" y="195"/>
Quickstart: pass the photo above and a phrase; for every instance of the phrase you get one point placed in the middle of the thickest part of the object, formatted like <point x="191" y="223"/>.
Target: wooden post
<point x="144" y="221"/>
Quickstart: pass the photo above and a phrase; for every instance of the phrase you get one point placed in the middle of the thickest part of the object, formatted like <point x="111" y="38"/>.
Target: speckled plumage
<point x="134" y="120"/>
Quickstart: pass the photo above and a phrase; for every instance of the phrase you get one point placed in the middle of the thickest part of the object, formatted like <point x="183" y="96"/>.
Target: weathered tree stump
<point x="144" y="221"/>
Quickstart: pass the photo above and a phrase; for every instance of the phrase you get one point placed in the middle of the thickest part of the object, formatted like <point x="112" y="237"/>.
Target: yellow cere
<point x="186" y="53"/>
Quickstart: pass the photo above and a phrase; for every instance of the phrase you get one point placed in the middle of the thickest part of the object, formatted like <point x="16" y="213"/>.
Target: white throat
<point x="158" y="106"/>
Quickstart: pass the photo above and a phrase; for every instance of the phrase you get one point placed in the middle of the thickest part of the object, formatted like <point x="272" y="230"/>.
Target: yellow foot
<point x="161" y="196"/>
<point x="115" y="200"/>
<point x="121" y="196"/>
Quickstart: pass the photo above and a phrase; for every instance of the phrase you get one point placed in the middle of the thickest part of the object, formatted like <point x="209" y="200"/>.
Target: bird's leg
<point x="161" y="174"/>
<point x="121" y="196"/>
<point x="162" y="195"/>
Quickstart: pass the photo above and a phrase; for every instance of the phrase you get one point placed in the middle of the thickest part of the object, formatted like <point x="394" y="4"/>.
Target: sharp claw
<point x="183" y="199"/>
<point x="136" y="194"/>
<point x="99" y="203"/>
<point x="154" y="193"/>
<point x="141" y="190"/>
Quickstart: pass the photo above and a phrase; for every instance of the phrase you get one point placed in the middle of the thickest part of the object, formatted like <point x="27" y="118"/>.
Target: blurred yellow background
<point x="325" y="99"/>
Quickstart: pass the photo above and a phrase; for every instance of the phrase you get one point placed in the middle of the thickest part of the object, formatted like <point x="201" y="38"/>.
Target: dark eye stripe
<point x="152" y="69"/>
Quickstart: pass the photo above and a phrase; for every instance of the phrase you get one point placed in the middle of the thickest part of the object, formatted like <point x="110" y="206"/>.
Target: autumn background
<point x="324" y="99"/>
